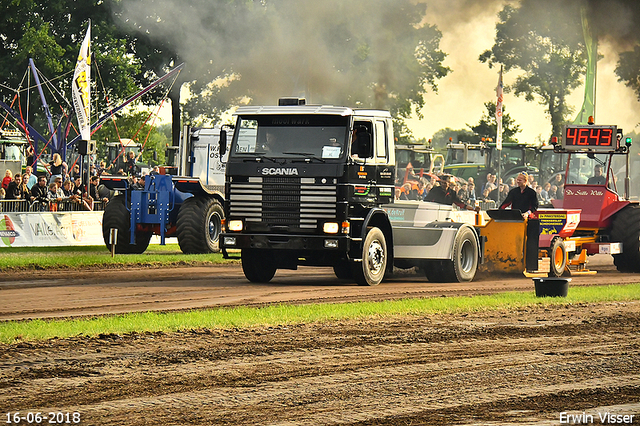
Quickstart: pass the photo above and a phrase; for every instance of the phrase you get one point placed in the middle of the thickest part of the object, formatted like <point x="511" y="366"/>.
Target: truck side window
<point x="359" y="128"/>
<point x="381" y="140"/>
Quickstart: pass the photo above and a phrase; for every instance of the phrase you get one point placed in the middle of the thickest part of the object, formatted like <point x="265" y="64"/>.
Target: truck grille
<point x="283" y="201"/>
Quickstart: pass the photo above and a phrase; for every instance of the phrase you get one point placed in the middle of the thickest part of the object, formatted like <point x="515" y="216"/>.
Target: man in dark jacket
<point x="444" y="194"/>
<point x="14" y="189"/>
<point x="522" y="197"/>
<point x="39" y="191"/>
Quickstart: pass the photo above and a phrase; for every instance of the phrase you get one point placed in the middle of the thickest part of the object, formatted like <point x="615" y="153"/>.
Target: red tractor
<point x="609" y="221"/>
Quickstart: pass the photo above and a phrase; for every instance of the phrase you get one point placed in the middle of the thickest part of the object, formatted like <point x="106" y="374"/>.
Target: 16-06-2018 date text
<point x="51" y="417"/>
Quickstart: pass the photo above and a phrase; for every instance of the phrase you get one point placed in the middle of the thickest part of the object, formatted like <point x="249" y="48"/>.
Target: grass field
<point x="221" y="318"/>
<point x="88" y="256"/>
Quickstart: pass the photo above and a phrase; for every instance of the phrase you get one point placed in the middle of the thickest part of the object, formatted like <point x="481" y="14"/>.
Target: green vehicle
<point x="467" y="160"/>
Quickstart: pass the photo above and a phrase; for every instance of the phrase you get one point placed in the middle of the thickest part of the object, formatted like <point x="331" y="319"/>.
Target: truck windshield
<point x="287" y="136"/>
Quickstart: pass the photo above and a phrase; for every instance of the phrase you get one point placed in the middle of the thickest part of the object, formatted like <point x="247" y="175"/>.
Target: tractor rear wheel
<point x="626" y="229"/>
<point x="199" y="225"/>
<point x="117" y="216"/>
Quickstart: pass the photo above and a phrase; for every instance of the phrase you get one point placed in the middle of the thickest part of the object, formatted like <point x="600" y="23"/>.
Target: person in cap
<point x="522" y="197"/>
<point x="444" y="194"/>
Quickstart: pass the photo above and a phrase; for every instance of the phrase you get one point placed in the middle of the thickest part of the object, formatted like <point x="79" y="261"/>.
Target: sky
<point x="462" y="94"/>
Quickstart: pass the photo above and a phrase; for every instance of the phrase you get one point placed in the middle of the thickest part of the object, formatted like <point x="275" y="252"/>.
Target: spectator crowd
<point x="62" y="188"/>
<point x="490" y="194"/>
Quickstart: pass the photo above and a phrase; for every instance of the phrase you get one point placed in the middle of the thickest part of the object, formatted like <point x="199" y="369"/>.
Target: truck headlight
<point x="229" y="241"/>
<point x="235" y="225"/>
<point x="330" y="228"/>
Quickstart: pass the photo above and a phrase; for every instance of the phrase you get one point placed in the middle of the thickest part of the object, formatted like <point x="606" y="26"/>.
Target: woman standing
<point x="57" y="167"/>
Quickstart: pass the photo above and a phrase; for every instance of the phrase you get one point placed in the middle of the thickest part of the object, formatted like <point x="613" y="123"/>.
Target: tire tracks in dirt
<point x="506" y="366"/>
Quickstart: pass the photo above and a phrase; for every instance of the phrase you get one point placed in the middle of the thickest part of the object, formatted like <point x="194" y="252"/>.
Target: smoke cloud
<point x="266" y="49"/>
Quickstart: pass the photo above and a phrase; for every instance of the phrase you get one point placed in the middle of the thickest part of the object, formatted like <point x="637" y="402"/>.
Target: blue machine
<point x="189" y="208"/>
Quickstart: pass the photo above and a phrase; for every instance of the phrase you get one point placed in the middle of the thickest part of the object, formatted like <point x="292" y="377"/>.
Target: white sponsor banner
<point x="81" y="87"/>
<point x="51" y="229"/>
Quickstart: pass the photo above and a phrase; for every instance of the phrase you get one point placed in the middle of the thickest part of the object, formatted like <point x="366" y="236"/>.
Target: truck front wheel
<point x="199" y="225"/>
<point x="258" y="266"/>
<point x="374" y="259"/>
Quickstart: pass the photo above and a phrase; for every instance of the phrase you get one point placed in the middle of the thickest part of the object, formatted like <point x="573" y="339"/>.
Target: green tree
<point x="488" y="126"/>
<point x="628" y="69"/>
<point x="137" y="126"/>
<point x="543" y="38"/>
<point x="50" y="32"/>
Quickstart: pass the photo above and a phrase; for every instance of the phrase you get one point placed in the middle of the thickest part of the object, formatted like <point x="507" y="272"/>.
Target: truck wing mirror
<point x="223" y="142"/>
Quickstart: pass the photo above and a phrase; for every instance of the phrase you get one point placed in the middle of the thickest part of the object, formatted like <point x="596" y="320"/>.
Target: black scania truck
<point x="314" y="185"/>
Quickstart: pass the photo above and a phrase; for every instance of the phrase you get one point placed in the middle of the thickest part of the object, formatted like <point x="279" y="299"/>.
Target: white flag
<point x="499" y="92"/>
<point x="80" y="87"/>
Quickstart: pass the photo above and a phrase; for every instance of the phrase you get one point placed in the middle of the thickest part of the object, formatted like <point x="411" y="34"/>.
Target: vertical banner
<point x="499" y="92"/>
<point x="591" y="45"/>
<point x="80" y="87"/>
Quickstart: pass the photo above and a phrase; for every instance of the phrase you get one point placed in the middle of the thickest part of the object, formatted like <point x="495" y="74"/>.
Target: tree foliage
<point x="137" y="126"/>
<point x="488" y="126"/>
<point x="363" y="53"/>
<point x="543" y="38"/>
<point x="50" y="32"/>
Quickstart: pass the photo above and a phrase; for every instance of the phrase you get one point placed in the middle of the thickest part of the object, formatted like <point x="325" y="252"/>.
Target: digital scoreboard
<point x="590" y="138"/>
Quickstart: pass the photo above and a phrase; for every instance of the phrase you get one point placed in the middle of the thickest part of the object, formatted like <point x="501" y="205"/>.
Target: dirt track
<point x="523" y="367"/>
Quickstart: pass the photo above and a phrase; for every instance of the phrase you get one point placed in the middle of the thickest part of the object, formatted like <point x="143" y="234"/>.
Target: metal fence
<point x="24" y="206"/>
<point x="487" y="205"/>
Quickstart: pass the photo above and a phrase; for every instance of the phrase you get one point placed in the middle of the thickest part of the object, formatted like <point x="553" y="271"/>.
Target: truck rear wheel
<point x="374" y="259"/>
<point x="558" y="255"/>
<point x="626" y="229"/>
<point x="199" y="225"/>
<point x="117" y="216"/>
<point x="464" y="265"/>
<point x="258" y="266"/>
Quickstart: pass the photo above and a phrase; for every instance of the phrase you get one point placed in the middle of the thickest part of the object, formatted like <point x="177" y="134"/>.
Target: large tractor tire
<point x="199" y="225"/>
<point x="117" y="216"/>
<point x="558" y="255"/>
<point x="371" y="270"/>
<point x="258" y="266"/>
<point x="464" y="263"/>
<point x="626" y="229"/>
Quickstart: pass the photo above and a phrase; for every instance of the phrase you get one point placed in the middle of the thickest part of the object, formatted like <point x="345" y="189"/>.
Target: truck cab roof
<point x="310" y="109"/>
